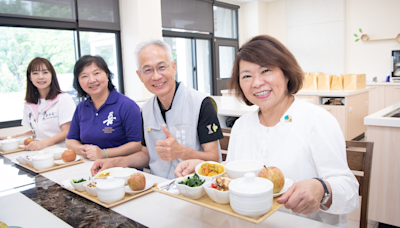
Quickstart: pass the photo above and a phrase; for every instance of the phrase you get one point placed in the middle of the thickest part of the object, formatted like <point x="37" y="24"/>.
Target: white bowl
<point x="57" y="152"/>
<point x="109" y="171"/>
<point x="123" y="174"/>
<point x="91" y="190"/>
<point x="251" y="196"/>
<point x="111" y="190"/>
<point x="21" y="160"/>
<point x="191" y="192"/>
<point x="21" y="140"/>
<point x="237" y="169"/>
<point x="79" y="186"/>
<point x="29" y="160"/>
<point x="221" y="197"/>
<point x="211" y="162"/>
<point x="9" y="144"/>
<point x="42" y="161"/>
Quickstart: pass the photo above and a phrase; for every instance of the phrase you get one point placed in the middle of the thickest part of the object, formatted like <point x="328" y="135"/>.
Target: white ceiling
<point x="242" y="1"/>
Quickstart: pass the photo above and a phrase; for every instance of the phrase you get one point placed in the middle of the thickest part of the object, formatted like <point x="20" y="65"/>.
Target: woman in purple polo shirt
<point x="107" y="123"/>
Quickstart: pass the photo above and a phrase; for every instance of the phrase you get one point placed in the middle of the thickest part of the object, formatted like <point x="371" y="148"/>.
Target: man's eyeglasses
<point x="148" y="71"/>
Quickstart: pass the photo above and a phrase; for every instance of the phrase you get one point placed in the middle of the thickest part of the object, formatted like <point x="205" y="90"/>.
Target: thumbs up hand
<point x="168" y="149"/>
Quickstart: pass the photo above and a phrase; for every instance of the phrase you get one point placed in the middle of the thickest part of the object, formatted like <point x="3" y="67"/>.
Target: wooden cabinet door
<point x="309" y="97"/>
<point x="392" y="95"/>
<point x="339" y="112"/>
<point x="376" y="99"/>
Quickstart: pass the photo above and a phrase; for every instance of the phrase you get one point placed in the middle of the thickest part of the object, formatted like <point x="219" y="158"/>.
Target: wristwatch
<point x="326" y="194"/>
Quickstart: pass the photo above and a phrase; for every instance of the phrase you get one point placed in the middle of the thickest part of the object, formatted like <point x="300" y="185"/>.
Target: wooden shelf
<point x="366" y="38"/>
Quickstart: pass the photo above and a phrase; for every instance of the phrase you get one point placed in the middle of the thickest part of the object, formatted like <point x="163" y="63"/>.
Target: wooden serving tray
<point x="51" y="168"/>
<point x="126" y="198"/>
<point x="12" y="151"/>
<point x="205" y="201"/>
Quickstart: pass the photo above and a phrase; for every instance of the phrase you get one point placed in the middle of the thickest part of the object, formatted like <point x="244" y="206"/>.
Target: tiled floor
<point x="354" y="220"/>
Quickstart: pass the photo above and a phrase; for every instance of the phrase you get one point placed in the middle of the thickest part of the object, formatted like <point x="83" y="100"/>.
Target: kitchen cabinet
<point x="384" y="197"/>
<point x="382" y="95"/>
<point x="376" y="98"/>
<point x="392" y="94"/>
<point x="350" y="116"/>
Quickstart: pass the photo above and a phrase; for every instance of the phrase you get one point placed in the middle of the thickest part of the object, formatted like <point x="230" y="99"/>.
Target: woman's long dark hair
<point x="85" y="61"/>
<point x="32" y="93"/>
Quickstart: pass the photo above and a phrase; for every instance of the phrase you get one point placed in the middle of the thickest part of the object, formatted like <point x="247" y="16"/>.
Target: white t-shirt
<point x="41" y="105"/>
<point x="310" y="145"/>
<point x="48" y="123"/>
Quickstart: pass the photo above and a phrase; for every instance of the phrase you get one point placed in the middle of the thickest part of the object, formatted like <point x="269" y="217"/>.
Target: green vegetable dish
<point x="194" y="181"/>
<point x="79" y="181"/>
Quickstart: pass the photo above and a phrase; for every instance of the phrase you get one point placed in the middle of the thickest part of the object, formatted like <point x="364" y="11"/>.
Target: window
<point x="195" y="29"/>
<point x="52" y="35"/>
<point x="104" y="45"/>
<point x="193" y="61"/>
<point x="225" y="22"/>
<point x="226" y="58"/>
<point x="18" y="46"/>
<point x="226" y="43"/>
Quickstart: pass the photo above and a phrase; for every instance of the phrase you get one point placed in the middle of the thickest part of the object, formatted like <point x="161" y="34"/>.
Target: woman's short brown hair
<point x="32" y="93"/>
<point x="267" y="51"/>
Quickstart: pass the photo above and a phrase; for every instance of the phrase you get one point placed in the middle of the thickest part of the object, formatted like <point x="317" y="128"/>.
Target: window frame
<point x="62" y="24"/>
<point x="213" y="44"/>
<point x="219" y="41"/>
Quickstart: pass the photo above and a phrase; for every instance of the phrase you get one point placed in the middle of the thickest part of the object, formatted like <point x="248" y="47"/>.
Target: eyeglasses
<point x="148" y="71"/>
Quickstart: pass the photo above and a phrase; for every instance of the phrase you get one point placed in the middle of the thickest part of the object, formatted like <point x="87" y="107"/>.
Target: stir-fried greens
<point x="194" y="181"/>
<point x="79" y="181"/>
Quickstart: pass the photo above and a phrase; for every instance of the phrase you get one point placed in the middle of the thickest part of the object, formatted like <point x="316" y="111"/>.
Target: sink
<point x="395" y="113"/>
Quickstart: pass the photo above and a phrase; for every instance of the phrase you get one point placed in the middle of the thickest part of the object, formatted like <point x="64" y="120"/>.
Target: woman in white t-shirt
<point x="47" y="111"/>
<point x="302" y="139"/>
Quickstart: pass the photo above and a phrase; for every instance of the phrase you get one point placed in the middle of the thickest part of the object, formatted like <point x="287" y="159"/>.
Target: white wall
<point x="250" y="21"/>
<point x="378" y="19"/>
<point x="276" y="20"/>
<point x="315" y="34"/>
<point x="262" y="17"/>
<point x="140" y="21"/>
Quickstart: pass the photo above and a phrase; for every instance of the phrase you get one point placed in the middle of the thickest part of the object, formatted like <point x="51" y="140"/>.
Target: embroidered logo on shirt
<point x="110" y="119"/>
<point x="212" y="129"/>
<point x="288" y="118"/>
<point x="108" y="130"/>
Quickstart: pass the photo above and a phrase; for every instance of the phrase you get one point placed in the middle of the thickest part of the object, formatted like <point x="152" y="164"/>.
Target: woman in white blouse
<point x="47" y="111"/>
<point x="302" y="139"/>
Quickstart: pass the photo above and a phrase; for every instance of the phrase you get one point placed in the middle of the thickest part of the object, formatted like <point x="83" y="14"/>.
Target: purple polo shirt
<point x="118" y="121"/>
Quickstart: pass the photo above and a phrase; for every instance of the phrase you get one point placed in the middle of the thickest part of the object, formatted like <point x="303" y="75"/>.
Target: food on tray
<point x="92" y="184"/>
<point x="79" y="181"/>
<point x="208" y="169"/>
<point x="68" y="155"/>
<point x="195" y="181"/>
<point x="222" y="184"/>
<point x="137" y="182"/>
<point x="275" y="175"/>
<point x="28" y="140"/>
<point x="104" y="174"/>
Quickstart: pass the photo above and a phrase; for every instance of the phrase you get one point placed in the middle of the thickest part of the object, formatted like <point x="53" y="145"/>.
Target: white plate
<point x="105" y="171"/>
<point x="288" y="184"/>
<point x="149" y="184"/>
<point x="21" y="146"/>
<point x="61" y="162"/>
<point x="173" y="189"/>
